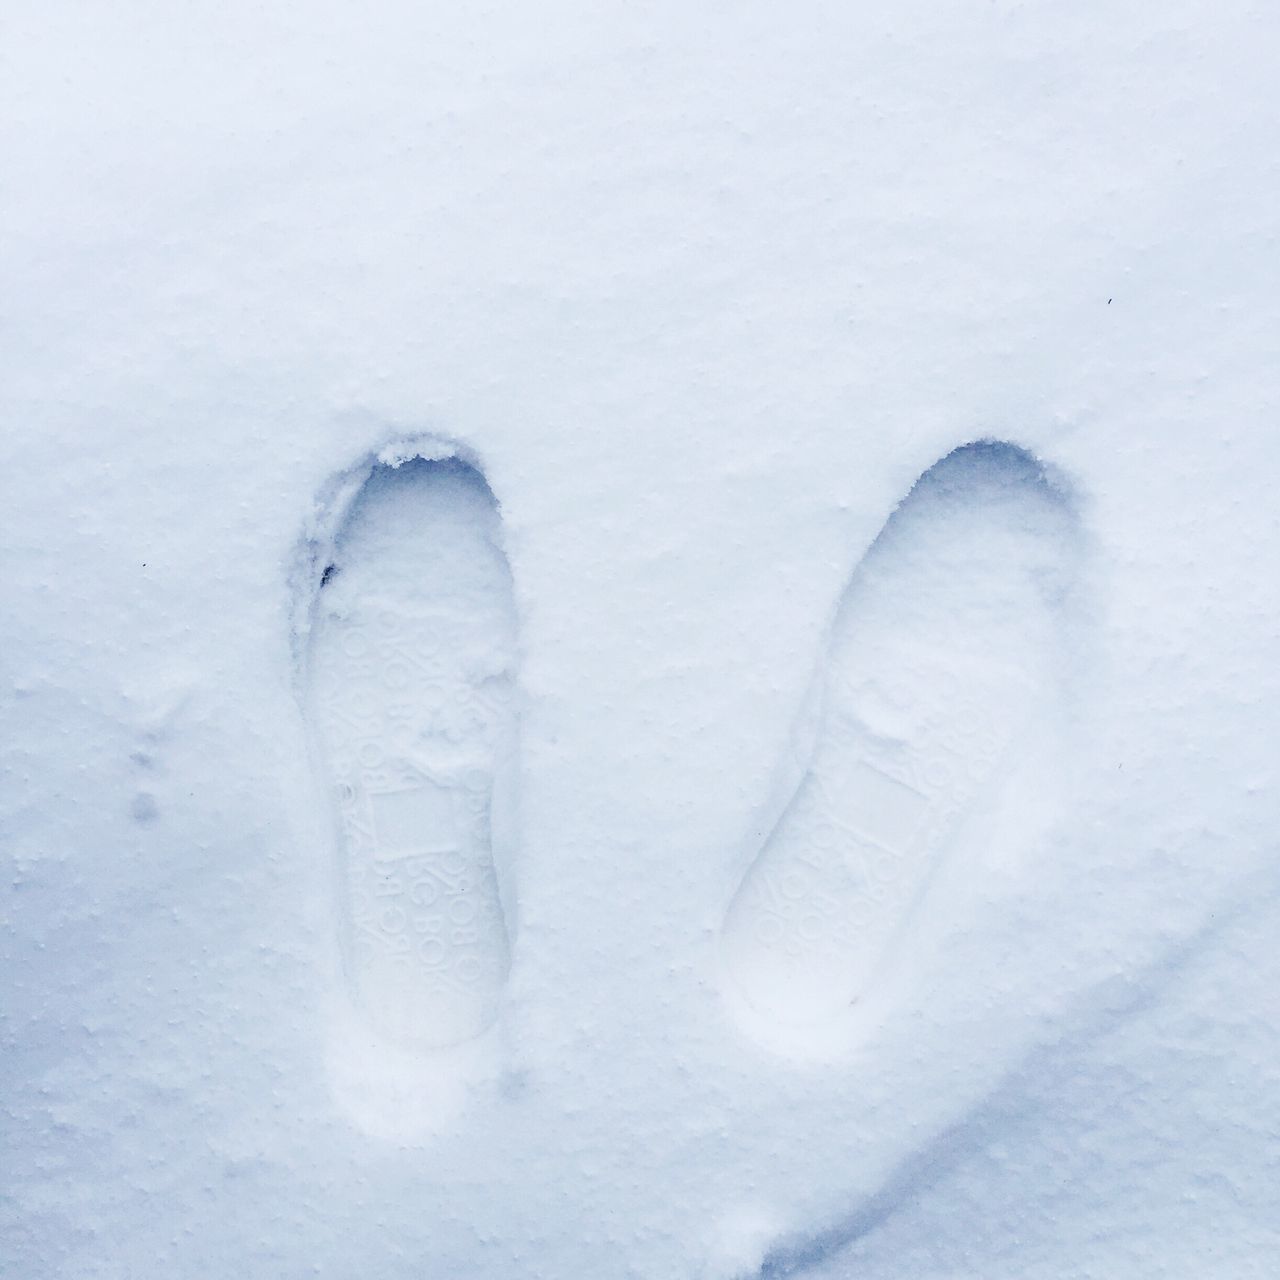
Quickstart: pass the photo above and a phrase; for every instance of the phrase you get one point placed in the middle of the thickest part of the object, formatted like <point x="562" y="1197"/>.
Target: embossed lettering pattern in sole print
<point x="939" y="658"/>
<point x="411" y="694"/>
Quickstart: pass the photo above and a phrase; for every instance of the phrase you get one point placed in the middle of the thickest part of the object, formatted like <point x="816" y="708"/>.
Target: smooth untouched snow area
<point x="640" y="643"/>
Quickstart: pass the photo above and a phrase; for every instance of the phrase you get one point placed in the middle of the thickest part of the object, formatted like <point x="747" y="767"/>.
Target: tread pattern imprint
<point x="411" y="695"/>
<point x="940" y="655"/>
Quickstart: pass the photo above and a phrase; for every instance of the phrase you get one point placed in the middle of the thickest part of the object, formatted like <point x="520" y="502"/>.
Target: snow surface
<point x="699" y="294"/>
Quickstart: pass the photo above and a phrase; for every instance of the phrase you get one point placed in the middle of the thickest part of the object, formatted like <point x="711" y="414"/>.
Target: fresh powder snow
<point x="640" y="642"/>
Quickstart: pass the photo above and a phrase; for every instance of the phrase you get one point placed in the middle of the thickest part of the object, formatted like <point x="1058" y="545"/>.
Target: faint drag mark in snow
<point x="941" y="654"/>
<point x="1018" y="1093"/>
<point x="408" y="656"/>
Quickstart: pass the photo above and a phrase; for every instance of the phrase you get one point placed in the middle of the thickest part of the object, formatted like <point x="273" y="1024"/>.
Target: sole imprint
<point x="411" y="696"/>
<point x="941" y="653"/>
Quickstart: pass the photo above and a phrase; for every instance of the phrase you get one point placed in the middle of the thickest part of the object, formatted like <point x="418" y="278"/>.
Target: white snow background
<point x="704" y="290"/>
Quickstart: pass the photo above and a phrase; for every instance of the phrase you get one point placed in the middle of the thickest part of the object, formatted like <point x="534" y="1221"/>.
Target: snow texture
<point x="410" y="693"/>
<point x="640" y="643"/>
<point x="938" y="662"/>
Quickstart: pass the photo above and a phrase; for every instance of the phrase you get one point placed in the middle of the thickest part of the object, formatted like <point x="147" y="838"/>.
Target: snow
<point x="409" y="661"/>
<point x="698" y="297"/>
